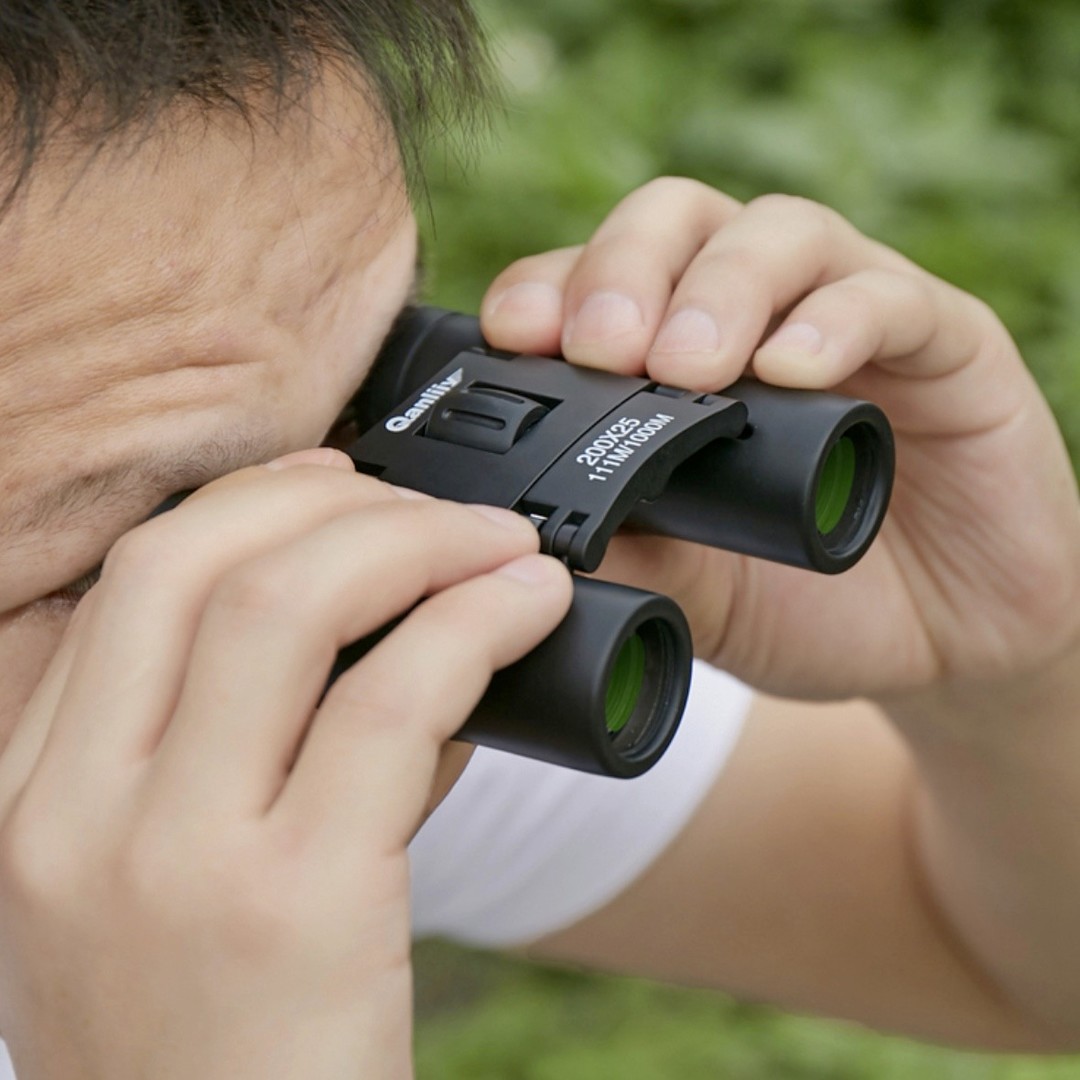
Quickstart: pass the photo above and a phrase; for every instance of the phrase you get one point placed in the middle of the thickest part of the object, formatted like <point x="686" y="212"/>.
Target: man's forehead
<point x="203" y="304"/>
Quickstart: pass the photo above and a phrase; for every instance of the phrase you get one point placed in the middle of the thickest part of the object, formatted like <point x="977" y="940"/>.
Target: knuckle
<point x="607" y="251"/>
<point x="779" y="202"/>
<point x="866" y="291"/>
<point x="372" y="709"/>
<point x="809" y="217"/>
<point x="146" y="868"/>
<point x="919" y="286"/>
<point x="317" y="485"/>
<point x="335" y="482"/>
<point x="164" y="880"/>
<point x="143" y="554"/>
<point x="430" y="525"/>
<point x="984" y="317"/>
<point x="474" y="622"/>
<point x="261" y="911"/>
<point x="32" y="867"/>
<point x="370" y="712"/>
<point x="679" y="187"/>
<point x="924" y="297"/>
<point x="863" y="289"/>
<point x="258" y="589"/>
<point x="530" y="267"/>
<point x="741" y="265"/>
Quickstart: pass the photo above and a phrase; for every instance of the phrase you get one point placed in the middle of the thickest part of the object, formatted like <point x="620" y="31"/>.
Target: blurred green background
<point x="949" y="129"/>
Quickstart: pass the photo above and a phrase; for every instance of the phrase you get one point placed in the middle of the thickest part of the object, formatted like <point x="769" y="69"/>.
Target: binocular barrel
<point x="793" y="476"/>
<point x="603" y="693"/>
<point x="807" y="484"/>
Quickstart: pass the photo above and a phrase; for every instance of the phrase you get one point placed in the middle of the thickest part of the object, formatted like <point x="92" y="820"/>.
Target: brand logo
<point x="424" y="402"/>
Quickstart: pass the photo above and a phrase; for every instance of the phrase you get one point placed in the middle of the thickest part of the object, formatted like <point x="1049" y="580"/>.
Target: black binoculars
<point x="798" y="477"/>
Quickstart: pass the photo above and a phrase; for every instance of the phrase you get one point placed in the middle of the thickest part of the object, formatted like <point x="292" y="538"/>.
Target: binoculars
<point x="798" y="477"/>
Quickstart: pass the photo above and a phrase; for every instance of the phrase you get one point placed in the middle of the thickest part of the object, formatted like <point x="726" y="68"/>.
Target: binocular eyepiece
<point x="798" y="477"/>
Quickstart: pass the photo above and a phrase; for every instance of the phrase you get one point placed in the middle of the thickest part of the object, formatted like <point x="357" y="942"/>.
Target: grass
<point x="488" y="1018"/>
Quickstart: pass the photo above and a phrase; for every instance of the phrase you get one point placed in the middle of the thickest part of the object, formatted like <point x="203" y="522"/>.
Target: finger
<point x="24" y="745"/>
<point x="621" y="286"/>
<point x="314" y="455"/>
<point x="366" y="768"/>
<point x="767" y="258"/>
<point x="907" y="325"/>
<point x="603" y="302"/>
<point x="134" y="648"/>
<point x="272" y="629"/>
<point x="833" y="332"/>
<point x="522" y="310"/>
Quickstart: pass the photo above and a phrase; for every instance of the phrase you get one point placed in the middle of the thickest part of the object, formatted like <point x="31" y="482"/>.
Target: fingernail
<point x="528" y="302"/>
<point x="603" y="316"/>
<point x="319" y="455"/>
<point x="797" y="337"/>
<point x="529" y="569"/>
<point x="688" y="331"/>
<point x="508" y="519"/>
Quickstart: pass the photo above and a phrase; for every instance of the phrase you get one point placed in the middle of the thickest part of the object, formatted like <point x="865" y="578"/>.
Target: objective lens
<point x="624" y="689"/>
<point x="836" y="485"/>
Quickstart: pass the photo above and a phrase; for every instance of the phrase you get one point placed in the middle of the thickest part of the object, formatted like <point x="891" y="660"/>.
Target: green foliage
<point x="949" y="129"/>
<point x="516" y="1022"/>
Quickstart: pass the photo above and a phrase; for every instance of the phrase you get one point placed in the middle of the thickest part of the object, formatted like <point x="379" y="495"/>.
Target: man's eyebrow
<point x="126" y="484"/>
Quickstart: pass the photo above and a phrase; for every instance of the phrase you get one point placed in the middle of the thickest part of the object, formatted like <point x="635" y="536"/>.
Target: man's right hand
<point x="202" y="868"/>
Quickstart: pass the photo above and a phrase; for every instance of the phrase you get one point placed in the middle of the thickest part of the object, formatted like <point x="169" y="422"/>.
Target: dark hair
<point x="102" y="67"/>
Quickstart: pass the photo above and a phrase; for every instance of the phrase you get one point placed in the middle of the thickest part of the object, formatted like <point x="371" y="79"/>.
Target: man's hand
<point x="976" y="573"/>
<point x="202" y="866"/>
<point x="956" y="848"/>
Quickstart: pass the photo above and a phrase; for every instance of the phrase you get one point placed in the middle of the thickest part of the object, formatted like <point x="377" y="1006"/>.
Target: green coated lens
<point x="624" y="689"/>
<point x="835" y="486"/>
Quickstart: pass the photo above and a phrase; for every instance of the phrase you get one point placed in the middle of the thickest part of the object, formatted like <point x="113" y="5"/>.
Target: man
<point x="203" y="874"/>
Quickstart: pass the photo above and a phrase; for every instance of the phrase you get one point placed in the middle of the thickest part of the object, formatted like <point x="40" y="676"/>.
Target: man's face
<point x="172" y="312"/>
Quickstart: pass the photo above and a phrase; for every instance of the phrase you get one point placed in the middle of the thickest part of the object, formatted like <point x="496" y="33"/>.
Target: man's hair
<point x="98" y="68"/>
